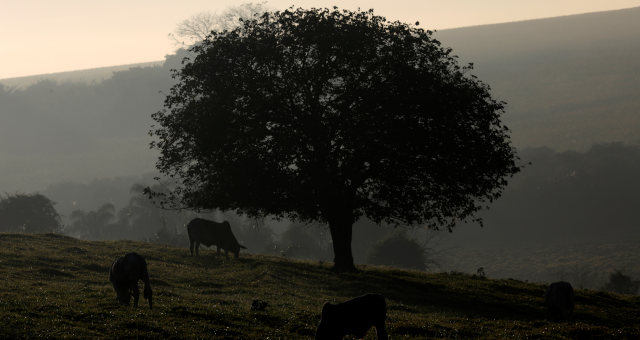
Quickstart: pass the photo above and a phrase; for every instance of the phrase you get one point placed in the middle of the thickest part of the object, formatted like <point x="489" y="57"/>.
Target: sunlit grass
<point x="56" y="286"/>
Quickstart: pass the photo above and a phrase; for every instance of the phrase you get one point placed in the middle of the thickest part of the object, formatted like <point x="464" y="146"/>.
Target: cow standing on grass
<point x="210" y="233"/>
<point x="353" y="317"/>
<point x="124" y="275"/>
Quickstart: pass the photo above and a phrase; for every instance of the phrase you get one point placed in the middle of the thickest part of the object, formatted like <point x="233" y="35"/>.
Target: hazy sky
<point x="45" y="36"/>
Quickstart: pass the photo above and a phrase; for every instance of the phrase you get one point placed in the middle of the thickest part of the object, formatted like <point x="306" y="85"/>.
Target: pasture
<point x="57" y="287"/>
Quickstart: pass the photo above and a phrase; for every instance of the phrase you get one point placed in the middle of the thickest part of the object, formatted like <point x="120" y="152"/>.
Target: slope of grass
<point x="57" y="286"/>
<point x="584" y="265"/>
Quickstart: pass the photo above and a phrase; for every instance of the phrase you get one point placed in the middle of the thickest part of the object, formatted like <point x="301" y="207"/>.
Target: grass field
<point x="57" y="287"/>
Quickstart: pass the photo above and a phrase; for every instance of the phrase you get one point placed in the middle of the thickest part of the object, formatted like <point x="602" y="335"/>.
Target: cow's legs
<point x="197" y="247"/>
<point x="218" y="249"/>
<point x="191" y="247"/>
<point x="136" y="294"/>
<point x="381" y="332"/>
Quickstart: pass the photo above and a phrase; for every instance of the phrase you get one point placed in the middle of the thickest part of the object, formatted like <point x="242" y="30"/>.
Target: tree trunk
<point x="341" y="232"/>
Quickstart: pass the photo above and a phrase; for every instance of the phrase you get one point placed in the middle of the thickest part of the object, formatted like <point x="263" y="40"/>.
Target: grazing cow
<point x="353" y="317"/>
<point x="124" y="275"/>
<point x="560" y="300"/>
<point x="211" y="233"/>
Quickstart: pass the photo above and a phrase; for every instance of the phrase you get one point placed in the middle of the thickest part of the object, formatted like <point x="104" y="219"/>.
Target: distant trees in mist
<point x="621" y="283"/>
<point x="28" y="213"/>
<point x="140" y="219"/>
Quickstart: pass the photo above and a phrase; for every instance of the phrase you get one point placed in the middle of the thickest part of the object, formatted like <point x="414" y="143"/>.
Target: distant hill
<point x="88" y="76"/>
<point x="569" y="81"/>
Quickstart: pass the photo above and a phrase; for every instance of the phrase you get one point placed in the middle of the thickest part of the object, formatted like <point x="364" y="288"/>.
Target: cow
<point x="211" y="233"/>
<point x="353" y="317"/>
<point x="124" y="275"/>
<point x="560" y="300"/>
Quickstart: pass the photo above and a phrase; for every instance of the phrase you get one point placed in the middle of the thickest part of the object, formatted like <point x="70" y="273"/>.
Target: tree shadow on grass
<point x="419" y="295"/>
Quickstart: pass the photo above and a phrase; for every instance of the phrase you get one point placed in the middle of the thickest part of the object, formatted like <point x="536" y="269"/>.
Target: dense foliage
<point x="332" y="115"/>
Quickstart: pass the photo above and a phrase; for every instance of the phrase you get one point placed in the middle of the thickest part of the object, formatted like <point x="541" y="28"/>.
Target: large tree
<point x="332" y="115"/>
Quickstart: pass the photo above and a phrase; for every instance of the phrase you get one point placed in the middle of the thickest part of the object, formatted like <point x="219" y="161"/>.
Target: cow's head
<point x="326" y="328"/>
<point x="236" y="252"/>
<point x="123" y="294"/>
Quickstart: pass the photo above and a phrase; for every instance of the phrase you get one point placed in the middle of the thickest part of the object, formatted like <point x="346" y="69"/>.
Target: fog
<point x="571" y="85"/>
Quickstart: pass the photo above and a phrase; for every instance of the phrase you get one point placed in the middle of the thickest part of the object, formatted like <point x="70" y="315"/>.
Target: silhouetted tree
<point x="331" y="115"/>
<point x="29" y="213"/>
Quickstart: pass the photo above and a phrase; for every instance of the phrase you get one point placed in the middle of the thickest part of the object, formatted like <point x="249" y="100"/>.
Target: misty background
<point x="571" y="85"/>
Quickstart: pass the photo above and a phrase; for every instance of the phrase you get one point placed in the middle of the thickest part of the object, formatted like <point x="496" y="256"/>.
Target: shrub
<point x="622" y="284"/>
<point x="398" y="250"/>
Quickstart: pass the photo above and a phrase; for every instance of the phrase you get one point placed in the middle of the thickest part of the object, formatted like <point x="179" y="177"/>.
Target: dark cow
<point x="560" y="300"/>
<point x="211" y="233"/>
<point x="353" y="317"/>
<point x="124" y="275"/>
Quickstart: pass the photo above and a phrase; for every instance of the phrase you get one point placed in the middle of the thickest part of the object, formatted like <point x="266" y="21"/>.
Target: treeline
<point x="141" y="219"/>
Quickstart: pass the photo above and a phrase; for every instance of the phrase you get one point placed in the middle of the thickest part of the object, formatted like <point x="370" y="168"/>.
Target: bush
<point x="398" y="250"/>
<point x="621" y="284"/>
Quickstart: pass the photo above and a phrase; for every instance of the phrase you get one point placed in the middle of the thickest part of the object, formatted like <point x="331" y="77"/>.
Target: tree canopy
<point x="331" y="115"/>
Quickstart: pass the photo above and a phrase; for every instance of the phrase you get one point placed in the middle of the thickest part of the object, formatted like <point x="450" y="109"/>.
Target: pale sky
<point x="47" y="36"/>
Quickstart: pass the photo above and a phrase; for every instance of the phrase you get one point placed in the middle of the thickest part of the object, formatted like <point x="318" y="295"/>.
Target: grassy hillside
<point x="569" y="81"/>
<point x="56" y="286"/>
